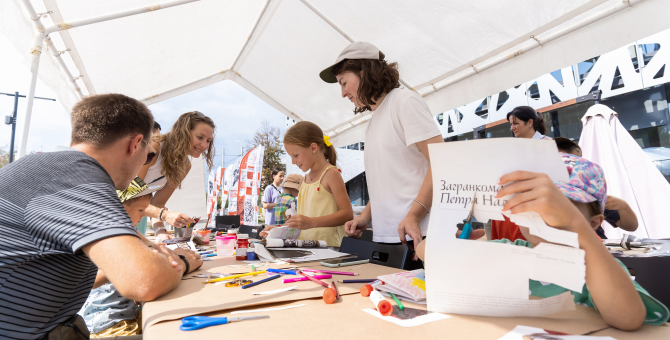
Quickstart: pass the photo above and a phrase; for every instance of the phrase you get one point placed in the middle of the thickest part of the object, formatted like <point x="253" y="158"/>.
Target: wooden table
<point x="341" y="320"/>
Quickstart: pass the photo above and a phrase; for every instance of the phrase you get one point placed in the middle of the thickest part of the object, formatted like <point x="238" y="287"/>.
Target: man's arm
<point x="136" y="271"/>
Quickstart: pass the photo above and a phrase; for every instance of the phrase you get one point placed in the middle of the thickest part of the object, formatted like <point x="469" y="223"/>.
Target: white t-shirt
<point x="394" y="166"/>
<point x="538" y="135"/>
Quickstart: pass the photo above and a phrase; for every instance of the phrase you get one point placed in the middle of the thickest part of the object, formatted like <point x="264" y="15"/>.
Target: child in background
<point x="324" y="202"/>
<point x="287" y="202"/>
<point x="106" y="312"/>
<point x="576" y="206"/>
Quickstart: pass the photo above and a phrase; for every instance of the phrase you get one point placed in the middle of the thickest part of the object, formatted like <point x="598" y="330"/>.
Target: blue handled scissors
<point x="467" y="227"/>
<point x="192" y="323"/>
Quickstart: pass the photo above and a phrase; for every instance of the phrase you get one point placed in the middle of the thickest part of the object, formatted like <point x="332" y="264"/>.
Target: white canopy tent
<point x="451" y="52"/>
<point x="629" y="172"/>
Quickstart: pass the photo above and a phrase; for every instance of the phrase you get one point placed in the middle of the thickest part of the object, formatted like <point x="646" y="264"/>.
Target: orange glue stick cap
<point x="383" y="306"/>
<point x="329" y="296"/>
<point x="366" y="290"/>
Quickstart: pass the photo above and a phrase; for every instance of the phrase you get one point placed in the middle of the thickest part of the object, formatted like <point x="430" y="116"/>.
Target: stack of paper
<point x="409" y="286"/>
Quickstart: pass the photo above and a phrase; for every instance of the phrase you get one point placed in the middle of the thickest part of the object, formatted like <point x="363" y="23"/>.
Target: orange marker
<point x="366" y="290"/>
<point x="383" y="306"/>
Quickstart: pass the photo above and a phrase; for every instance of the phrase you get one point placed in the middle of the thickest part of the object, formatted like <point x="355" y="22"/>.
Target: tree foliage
<point x="270" y="137"/>
<point x="4" y="156"/>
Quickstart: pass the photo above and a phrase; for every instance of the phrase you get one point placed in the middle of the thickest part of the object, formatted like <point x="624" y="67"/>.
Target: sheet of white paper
<point x="276" y="291"/>
<point x="284" y="233"/>
<point x="484" y="278"/>
<point x="419" y="320"/>
<point x="317" y="254"/>
<point x="519" y="331"/>
<point x="477" y="169"/>
<point x="266" y="309"/>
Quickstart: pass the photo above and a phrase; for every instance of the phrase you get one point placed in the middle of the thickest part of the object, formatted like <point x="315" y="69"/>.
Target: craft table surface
<point x="341" y="320"/>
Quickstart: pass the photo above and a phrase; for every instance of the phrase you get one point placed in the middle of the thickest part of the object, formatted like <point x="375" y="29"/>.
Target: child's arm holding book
<point x="610" y="286"/>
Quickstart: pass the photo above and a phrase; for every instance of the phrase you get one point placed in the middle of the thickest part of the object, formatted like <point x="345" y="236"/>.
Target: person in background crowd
<point x="397" y="163"/>
<point x="62" y="221"/>
<point x="157" y="129"/>
<point x="324" y="203"/>
<point x="191" y="136"/>
<point x="106" y="312"/>
<point x="271" y="195"/>
<point x="288" y="199"/>
<point x="526" y="123"/>
<point x="617" y="212"/>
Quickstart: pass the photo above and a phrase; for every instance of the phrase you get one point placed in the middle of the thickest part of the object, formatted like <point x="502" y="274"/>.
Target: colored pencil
<point x="235" y="276"/>
<point x="329" y="272"/>
<point x="261" y="281"/>
<point x="313" y="279"/>
<point x="358" y="281"/>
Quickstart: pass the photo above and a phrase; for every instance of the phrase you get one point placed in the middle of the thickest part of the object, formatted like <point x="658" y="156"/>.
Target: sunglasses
<point x="152" y="154"/>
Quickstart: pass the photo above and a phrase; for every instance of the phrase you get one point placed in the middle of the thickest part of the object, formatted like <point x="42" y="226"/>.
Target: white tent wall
<point x="191" y="199"/>
<point x="276" y="48"/>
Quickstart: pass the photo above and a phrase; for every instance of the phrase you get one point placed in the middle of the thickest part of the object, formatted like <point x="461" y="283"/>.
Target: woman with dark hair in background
<point x="271" y="195"/>
<point x="526" y="123"/>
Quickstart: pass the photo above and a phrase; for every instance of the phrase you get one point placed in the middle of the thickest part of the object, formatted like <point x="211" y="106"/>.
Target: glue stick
<point x="383" y="306"/>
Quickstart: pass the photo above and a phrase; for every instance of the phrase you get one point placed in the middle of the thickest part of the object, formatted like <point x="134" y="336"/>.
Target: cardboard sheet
<point x="345" y="320"/>
<point x="484" y="278"/>
<point x="192" y="297"/>
<point x="645" y="332"/>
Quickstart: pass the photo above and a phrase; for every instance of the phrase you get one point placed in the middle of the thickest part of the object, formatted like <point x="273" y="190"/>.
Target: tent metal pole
<point x="38" y="42"/>
<point x="531" y="44"/>
<point x="253" y="31"/>
<point x="36" y="52"/>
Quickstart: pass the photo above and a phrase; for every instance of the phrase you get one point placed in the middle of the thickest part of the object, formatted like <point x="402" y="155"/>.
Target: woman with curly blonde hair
<point x="191" y="135"/>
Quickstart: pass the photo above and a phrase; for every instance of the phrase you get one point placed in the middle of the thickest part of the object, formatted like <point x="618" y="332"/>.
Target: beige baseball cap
<point x="355" y="50"/>
<point x="293" y="181"/>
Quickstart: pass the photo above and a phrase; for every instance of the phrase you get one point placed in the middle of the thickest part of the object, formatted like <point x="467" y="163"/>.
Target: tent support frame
<point x="43" y="35"/>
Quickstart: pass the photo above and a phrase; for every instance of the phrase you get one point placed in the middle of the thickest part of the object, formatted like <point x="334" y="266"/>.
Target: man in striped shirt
<point x="61" y="220"/>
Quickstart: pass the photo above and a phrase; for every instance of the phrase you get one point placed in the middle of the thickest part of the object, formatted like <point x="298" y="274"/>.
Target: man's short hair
<point x="157" y="126"/>
<point x="103" y="119"/>
<point x="566" y="145"/>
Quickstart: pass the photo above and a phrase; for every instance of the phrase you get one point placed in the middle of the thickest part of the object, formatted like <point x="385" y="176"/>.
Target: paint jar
<point x="204" y="235"/>
<point x="251" y="254"/>
<point x="233" y="233"/>
<point x="225" y="246"/>
<point x="242" y="246"/>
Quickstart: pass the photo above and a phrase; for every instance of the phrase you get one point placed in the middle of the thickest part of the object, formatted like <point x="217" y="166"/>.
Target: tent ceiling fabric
<point x="279" y="46"/>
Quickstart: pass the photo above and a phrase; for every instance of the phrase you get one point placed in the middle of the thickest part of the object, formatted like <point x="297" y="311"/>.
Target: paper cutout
<point x="486" y="278"/>
<point x="417" y="321"/>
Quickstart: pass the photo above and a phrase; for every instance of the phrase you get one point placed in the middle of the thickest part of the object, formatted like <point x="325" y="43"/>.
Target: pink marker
<point x="329" y="272"/>
<point x="298" y="279"/>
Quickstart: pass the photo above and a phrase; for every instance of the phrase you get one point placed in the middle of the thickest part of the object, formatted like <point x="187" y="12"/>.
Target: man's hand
<point x="355" y="228"/>
<point x="301" y="222"/>
<point x="193" y="258"/>
<point x="266" y="231"/>
<point x="175" y="261"/>
<point x="162" y="237"/>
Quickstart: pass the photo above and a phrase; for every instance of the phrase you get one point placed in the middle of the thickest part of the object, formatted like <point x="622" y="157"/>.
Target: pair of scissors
<point x="467" y="227"/>
<point x="192" y="323"/>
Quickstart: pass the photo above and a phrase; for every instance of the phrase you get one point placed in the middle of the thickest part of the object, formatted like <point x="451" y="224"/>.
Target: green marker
<point x="397" y="301"/>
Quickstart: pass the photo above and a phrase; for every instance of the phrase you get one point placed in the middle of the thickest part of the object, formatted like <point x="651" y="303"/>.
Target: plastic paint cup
<point x="225" y="245"/>
<point x="204" y="235"/>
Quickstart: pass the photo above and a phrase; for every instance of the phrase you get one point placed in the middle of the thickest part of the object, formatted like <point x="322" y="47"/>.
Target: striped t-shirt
<point x="51" y="206"/>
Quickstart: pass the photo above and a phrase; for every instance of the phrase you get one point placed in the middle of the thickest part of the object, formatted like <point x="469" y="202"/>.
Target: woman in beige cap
<point x="397" y="164"/>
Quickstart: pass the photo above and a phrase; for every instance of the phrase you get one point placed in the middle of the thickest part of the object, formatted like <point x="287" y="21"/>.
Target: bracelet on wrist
<point x="188" y="267"/>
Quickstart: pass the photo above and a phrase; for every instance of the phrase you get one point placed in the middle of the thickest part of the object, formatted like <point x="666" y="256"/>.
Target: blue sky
<point x="236" y="112"/>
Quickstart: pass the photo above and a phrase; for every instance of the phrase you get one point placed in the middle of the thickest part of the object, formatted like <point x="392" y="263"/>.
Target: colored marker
<point x="298" y="279"/>
<point x="282" y="271"/>
<point x="397" y="301"/>
<point x="358" y="281"/>
<point x="314" y="279"/>
<point x="329" y="272"/>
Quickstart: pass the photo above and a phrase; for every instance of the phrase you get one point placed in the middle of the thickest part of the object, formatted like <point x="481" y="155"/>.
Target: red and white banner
<point x="248" y="187"/>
